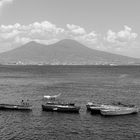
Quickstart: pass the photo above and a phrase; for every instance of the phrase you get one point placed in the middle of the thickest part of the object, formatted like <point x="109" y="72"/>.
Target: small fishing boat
<point x="96" y="108"/>
<point x="111" y="109"/>
<point x="119" y="111"/>
<point x="60" y="107"/>
<point x="56" y="106"/>
<point x="24" y="106"/>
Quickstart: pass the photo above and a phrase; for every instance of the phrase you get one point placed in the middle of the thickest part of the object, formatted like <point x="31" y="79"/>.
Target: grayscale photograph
<point x="69" y="69"/>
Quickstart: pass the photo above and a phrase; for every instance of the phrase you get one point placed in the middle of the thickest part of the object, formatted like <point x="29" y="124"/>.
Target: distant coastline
<point x="110" y="65"/>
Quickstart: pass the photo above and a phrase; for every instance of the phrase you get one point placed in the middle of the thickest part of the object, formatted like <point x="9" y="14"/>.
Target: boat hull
<point x="15" y="107"/>
<point x="121" y="111"/>
<point x="96" y="108"/>
<point x="61" y="108"/>
<point x="111" y="110"/>
<point x="93" y="110"/>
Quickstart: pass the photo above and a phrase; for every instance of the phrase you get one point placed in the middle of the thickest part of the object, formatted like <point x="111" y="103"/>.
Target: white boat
<point x="96" y="108"/>
<point x="111" y="109"/>
<point x="119" y="111"/>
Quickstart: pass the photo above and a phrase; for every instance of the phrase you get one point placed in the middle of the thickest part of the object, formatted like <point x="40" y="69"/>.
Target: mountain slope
<point x="63" y="52"/>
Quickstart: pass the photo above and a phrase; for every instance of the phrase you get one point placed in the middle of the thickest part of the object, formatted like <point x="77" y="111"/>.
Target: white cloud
<point x="47" y="33"/>
<point x="44" y="32"/>
<point x="78" y="33"/>
<point x="15" y="35"/>
<point x="89" y="38"/>
<point x="23" y="33"/>
<point x="92" y="37"/>
<point x="122" y="37"/>
<point x="77" y="30"/>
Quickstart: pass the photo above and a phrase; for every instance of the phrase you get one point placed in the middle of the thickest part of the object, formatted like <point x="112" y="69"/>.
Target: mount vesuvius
<point x="64" y="52"/>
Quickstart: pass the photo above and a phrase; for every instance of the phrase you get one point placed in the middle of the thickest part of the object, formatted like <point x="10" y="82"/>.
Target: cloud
<point x="92" y="37"/>
<point x="77" y="30"/>
<point x="3" y="2"/>
<point x="79" y="33"/>
<point x="45" y="32"/>
<point x="89" y="38"/>
<point x="23" y="33"/>
<point x="122" y="37"/>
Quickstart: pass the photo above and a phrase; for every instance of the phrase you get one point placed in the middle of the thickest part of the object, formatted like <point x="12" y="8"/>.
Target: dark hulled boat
<point x="59" y="107"/>
<point x="94" y="108"/>
<point x="56" y="106"/>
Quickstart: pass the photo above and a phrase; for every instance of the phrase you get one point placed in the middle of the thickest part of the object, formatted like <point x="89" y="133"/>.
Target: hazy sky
<point x="108" y="25"/>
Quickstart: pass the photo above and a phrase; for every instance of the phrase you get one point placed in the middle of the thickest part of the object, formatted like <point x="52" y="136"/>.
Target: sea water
<point x="79" y="84"/>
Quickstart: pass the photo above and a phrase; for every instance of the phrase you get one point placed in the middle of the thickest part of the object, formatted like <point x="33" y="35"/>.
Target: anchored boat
<point x="96" y="108"/>
<point x="111" y="109"/>
<point x="60" y="107"/>
<point x="119" y="111"/>
<point x="57" y="106"/>
<point x="24" y="106"/>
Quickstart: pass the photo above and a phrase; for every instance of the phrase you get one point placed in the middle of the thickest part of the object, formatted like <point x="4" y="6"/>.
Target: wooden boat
<point x="111" y="109"/>
<point x="96" y="108"/>
<point x="52" y="104"/>
<point x="24" y="106"/>
<point x="15" y="107"/>
<point x="59" y="107"/>
<point x="119" y="111"/>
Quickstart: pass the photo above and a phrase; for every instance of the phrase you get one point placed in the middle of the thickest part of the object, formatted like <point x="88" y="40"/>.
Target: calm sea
<point x="100" y="84"/>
